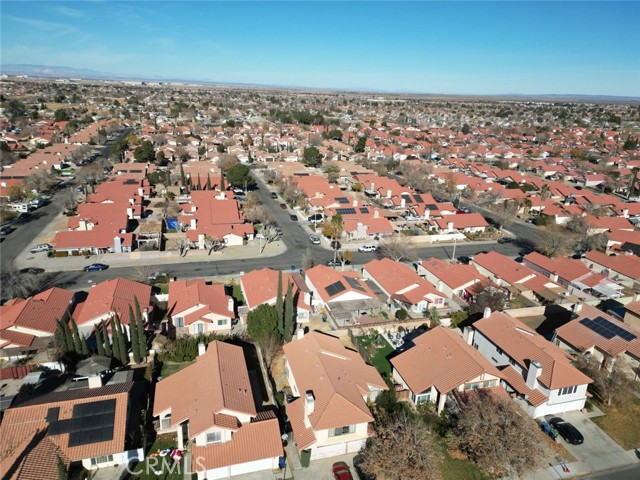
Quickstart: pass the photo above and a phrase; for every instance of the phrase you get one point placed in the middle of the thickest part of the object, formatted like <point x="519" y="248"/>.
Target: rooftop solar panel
<point x="345" y="211"/>
<point x="607" y="329"/>
<point x="406" y="198"/>
<point x="364" y="210"/>
<point x="354" y="284"/>
<point x="91" y="422"/>
<point x="342" y="200"/>
<point x="418" y="199"/>
<point x="335" y="288"/>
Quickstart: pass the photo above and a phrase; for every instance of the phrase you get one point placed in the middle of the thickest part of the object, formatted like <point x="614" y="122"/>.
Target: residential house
<point x="438" y="363"/>
<point x="452" y="279"/>
<point x="402" y="285"/>
<point x="632" y="313"/>
<point x="89" y="426"/>
<point x="537" y="371"/>
<point x="600" y="336"/>
<point x="468" y="223"/>
<point x="211" y="403"/>
<point x="261" y="286"/>
<point x="196" y="306"/>
<point x="111" y="297"/>
<point x="333" y="384"/>
<point x="623" y="269"/>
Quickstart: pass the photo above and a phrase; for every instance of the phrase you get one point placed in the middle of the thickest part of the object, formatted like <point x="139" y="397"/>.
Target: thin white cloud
<point x="69" y="12"/>
<point x="42" y="25"/>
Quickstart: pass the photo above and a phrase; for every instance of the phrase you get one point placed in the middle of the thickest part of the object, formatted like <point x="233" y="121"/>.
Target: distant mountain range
<point x="46" y="71"/>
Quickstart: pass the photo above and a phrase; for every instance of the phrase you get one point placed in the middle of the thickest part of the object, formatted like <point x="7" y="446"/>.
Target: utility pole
<point x="454" y="248"/>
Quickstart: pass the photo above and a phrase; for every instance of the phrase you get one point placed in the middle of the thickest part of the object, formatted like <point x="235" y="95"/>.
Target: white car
<point x="368" y="248"/>
<point x="45" y="247"/>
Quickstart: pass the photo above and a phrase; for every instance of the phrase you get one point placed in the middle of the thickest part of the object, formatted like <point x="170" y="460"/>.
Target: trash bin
<point x="305" y="458"/>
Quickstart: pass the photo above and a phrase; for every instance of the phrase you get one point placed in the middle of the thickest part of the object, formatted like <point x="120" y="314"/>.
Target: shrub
<point x="401" y="314"/>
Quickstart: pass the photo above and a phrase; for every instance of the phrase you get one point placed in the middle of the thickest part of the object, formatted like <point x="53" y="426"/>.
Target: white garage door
<point x="328" y="451"/>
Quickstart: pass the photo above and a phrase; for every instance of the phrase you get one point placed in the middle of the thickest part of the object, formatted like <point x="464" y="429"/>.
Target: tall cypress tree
<point x="122" y="341"/>
<point x="135" y="345"/>
<point x="77" y="343"/>
<point x="108" y="351"/>
<point x="280" y="307"/>
<point x="99" y="342"/>
<point x="142" y="338"/>
<point x="68" y="336"/>
<point x="288" y="314"/>
<point x="207" y="185"/>
<point x="199" y="184"/>
<point x="115" y="339"/>
<point x="61" y="337"/>
<point x="222" y="186"/>
<point x="183" y="178"/>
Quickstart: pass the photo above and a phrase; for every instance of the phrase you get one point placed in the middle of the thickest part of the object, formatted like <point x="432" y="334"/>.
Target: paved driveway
<point x="599" y="451"/>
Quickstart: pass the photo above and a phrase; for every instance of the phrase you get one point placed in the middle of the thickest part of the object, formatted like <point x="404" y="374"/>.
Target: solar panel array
<point x="334" y="288"/>
<point x="342" y="200"/>
<point x="406" y="198"/>
<point x="607" y="329"/>
<point x="354" y="284"/>
<point x="431" y="206"/>
<point x="364" y="210"/>
<point x="345" y="211"/>
<point x="418" y="199"/>
<point x="90" y="423"/>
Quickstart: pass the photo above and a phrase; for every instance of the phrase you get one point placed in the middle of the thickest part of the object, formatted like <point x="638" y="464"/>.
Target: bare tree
<point x="182" y="245"/>
<point x="397" y="248"/>
<point x="403" y="447"/>
<point x="495" y="434"/>
<point x="612" y="382"/>
<point x="308" y="260"/>
<point x="268" y="234"/>
<point x="344" y="257"/>
<point x="505" y="213"/>
<point x="227" y="160"/>
<point x="67" y="199"/>
<point x="212" y="244"/>
<point x="553" y="240"/>
<point x="17" y="285"/>
<point x="491" y="297"/>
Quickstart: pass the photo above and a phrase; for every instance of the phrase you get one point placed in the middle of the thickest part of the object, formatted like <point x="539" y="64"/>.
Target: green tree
<point x="360" y="146"/>
<point x="61" y="338"/>
<point x="68" y="335"/>
<point x="99" y="342"/>
<point x="122" y="342"/>
<point x="115" y="341"/>
<point x="145" y="152"/>
<point x="238" y="174"/>
<point x="288" y="314"/>
<point x="61" y="115"/>
<point x="77" y="343"/>
<point x="280" y="306"/>
<point x="135" y="346"/>
<point x="262" y="322"/>
<point x="63" y="473"/>
<point x="142" y="337"/>
<point x="312" y="157"/>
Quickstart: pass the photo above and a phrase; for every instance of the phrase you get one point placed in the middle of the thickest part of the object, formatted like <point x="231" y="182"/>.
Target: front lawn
<point x="145" y="470"/>
<point x="460" y="469"/>
<point x="377" y="354"/>
<point x="169" y="368"/>
<point x="622" y="423"/>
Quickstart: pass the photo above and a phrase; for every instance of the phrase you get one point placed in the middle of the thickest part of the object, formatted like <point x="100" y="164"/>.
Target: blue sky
<point x="429" y="47"/>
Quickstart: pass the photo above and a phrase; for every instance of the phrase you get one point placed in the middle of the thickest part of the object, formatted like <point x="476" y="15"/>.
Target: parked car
<point x="238" y="191"/>
<point x="316" y="218"/>
<point x="95" y="266"/>
<point x="5" y="230"/>
<point x="274" y="195"/>
<point x="368" y="248"/>
<point x="505" y="240"/>
<point x="314" y="239"/>
<point x="567" y="431"/>
<point x="43" y="247"/>
<point x="293" y="218"/>
<point x="23" y="217"/>
<point x="32" y="270"/>
<point x="333" y="263"/>
<point x="283" y="206"/>
<point x="464" y="259"/>
<point x="341" y="471"/>
<point x="155" y="276"/>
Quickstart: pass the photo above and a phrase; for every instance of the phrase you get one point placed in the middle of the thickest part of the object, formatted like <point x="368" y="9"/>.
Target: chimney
<point x="486" y="313"/>
<point x="449" y="225"/>
<point x="230" y="304"/>
<point x="440" y="286"/>
<point x="202" y="348"/>
<point x="130" y="213"/>
<point x="577" y="307"/>
<point x="388" y="193"/>
<point x="376" y="213"/>
<point x="467" y="334"/>
<point x="636" y="296"/>
<point x="145" y="314"/>
<point x="117" y="245"/>
<point x="192" y="224"/>
<point x="300" y="333"/>
<point x="355" y="202"/>
<point x="95" y="381"/>
<point x="309" y="407"/>
<point x="554" y="277"/>
<point x="373" y="186"/>
<point x="625" y="213"/>
<point x="535" y="370"/>
<point x="403" y="203"/>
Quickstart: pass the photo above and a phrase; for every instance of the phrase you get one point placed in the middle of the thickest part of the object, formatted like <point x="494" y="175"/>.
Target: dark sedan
<point x="567" y="431"/>
<point x="95" y="267"/>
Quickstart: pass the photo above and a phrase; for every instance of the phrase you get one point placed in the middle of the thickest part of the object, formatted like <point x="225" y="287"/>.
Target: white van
<point x="368" y="248"/>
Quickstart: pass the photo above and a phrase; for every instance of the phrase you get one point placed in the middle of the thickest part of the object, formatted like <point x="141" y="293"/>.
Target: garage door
<point x="328" y="451"/>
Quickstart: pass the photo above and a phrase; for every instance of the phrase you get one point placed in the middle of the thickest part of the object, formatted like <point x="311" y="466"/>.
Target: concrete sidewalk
<point x="141" y="259"/>
<point x="576" y="469"/>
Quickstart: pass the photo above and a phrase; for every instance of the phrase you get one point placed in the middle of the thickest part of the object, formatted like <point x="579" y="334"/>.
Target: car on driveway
<point x="95" y="267"/>
<point x="316" y="218"/>
<point x="341" y="471"/>
<point x="274" y="195"/>
<point x="314" y="239"/>
<point x="293" y="218"/>
<point x="283" y="206"/>
<point x="567" y="431"/>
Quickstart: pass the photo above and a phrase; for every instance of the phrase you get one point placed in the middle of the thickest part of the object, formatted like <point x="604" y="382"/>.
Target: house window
<point x="214" y="437"/>
<point x="499" y="350"/>
<point x="166" y="422"/>
<point x="102" y="459"/>
<point x="222" y="322"/>
<point x="512" y="362"/>
<point x="178" y="321"/>
<point x="568" y="390"/>
<point x="336" y="432"/>
<point x="198" y="328"/>
<point x="421" y="398"/>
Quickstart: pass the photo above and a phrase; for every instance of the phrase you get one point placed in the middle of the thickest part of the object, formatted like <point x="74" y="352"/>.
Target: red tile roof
<point x="187" y="294"/>
<point x="39" y="312"/>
